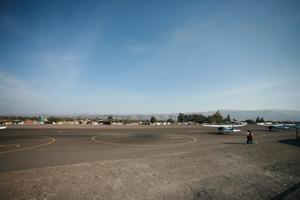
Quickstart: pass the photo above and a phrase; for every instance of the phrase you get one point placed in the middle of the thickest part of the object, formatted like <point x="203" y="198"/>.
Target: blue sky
<point x="64" y="57"/>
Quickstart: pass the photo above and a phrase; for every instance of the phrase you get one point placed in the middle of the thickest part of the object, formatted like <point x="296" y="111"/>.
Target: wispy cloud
<point x="139" y="48"/>
<point x="63" y="64"/>
<point x="17" y="97"/>
<point x="62" y="68"/>
<point x="12" y="86"/>
<point x="242" y="90"/>
<point x="192" y="31"/>
<point x="235" y="92"/>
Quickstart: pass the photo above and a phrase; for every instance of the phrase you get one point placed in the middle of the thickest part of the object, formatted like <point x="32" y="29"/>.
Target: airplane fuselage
<point x="228" y="130"/>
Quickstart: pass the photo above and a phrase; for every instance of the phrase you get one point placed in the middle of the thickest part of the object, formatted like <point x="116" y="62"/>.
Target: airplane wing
<point x="215" y="125"/>
<point x="278" y="126"/>
<point x="259" y="124"/>
<point x="239" y="125"/>
<point x="224" y="125"/>
<point x="226" y="128"/>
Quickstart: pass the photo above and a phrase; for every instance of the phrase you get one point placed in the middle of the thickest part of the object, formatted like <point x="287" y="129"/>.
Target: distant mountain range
<point x="272" y="115"/>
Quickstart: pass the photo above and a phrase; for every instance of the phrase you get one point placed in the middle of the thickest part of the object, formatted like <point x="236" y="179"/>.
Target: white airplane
<point x="226" y="128"/>
<point x="272" y="126"/>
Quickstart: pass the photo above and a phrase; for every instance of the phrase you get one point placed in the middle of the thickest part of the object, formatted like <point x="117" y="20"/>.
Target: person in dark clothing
<point x="248" y="137"/>
<point x="251" y="137"/>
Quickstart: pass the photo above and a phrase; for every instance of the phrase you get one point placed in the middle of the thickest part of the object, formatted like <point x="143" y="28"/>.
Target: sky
<point x="125" y="57"/>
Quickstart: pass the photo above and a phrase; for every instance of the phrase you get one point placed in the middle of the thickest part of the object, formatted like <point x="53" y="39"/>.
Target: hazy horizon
<point x="156" y="113"/>
<point x="132" y="56"/>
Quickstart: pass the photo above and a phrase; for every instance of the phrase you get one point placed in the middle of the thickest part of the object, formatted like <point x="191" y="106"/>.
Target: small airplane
<point x="273" y="127"/>
<point x="226" y="128"/>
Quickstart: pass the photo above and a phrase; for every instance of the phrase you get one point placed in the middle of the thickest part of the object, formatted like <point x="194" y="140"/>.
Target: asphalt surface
<point x="27" y="148"/>
<point x="145" y="162"/>
<point x="34" y="148"/>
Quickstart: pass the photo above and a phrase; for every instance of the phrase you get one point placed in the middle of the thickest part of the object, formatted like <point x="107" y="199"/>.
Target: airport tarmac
<point x="147" y="163"/>
<point x="27" y="148"/>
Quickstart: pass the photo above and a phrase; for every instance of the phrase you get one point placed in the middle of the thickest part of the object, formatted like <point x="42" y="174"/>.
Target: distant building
<point x="133" y="124"/>
<point x="69" y="122"/>
<point x="30" y="122"/>
<point x="8" y="123"/>
<point x="95" y="123"/>
<point x="156" y="123"/>
<point x="117" y="123"/>
<point x="18" y="121"/>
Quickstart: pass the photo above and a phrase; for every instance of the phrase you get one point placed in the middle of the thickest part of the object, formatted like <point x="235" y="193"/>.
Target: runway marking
<point x="141" y="145"/>
<point x="9" y="145"/>
<point x="51" y="140"/>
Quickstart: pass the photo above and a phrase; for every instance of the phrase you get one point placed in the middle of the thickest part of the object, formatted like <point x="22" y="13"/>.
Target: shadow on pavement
<point x="209" y="133"/>
<point x="294" y="142"/>
<point x="287" y="192"/>
<point x="234" y="143"/>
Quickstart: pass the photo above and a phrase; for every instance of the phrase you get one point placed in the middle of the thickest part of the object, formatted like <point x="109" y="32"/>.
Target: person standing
<point x="251" y="137"/>
<point x="248" y="137"/>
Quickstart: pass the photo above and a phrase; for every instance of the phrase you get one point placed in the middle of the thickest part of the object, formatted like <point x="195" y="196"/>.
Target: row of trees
<point x="199" y="118"/>
<point x="216" y="118"/>
<point x="259" y="119"/>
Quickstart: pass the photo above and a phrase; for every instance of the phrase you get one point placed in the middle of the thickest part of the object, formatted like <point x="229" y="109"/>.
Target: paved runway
<point x="157" y="162"/>
<point x="39" y="147"/>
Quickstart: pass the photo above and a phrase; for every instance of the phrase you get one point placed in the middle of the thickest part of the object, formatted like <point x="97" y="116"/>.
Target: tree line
<point x="216" y="118"/>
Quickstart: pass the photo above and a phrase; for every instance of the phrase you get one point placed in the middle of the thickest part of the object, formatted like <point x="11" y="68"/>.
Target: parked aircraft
<point x="273" y="127"/>
<point x="226" y="128"/>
